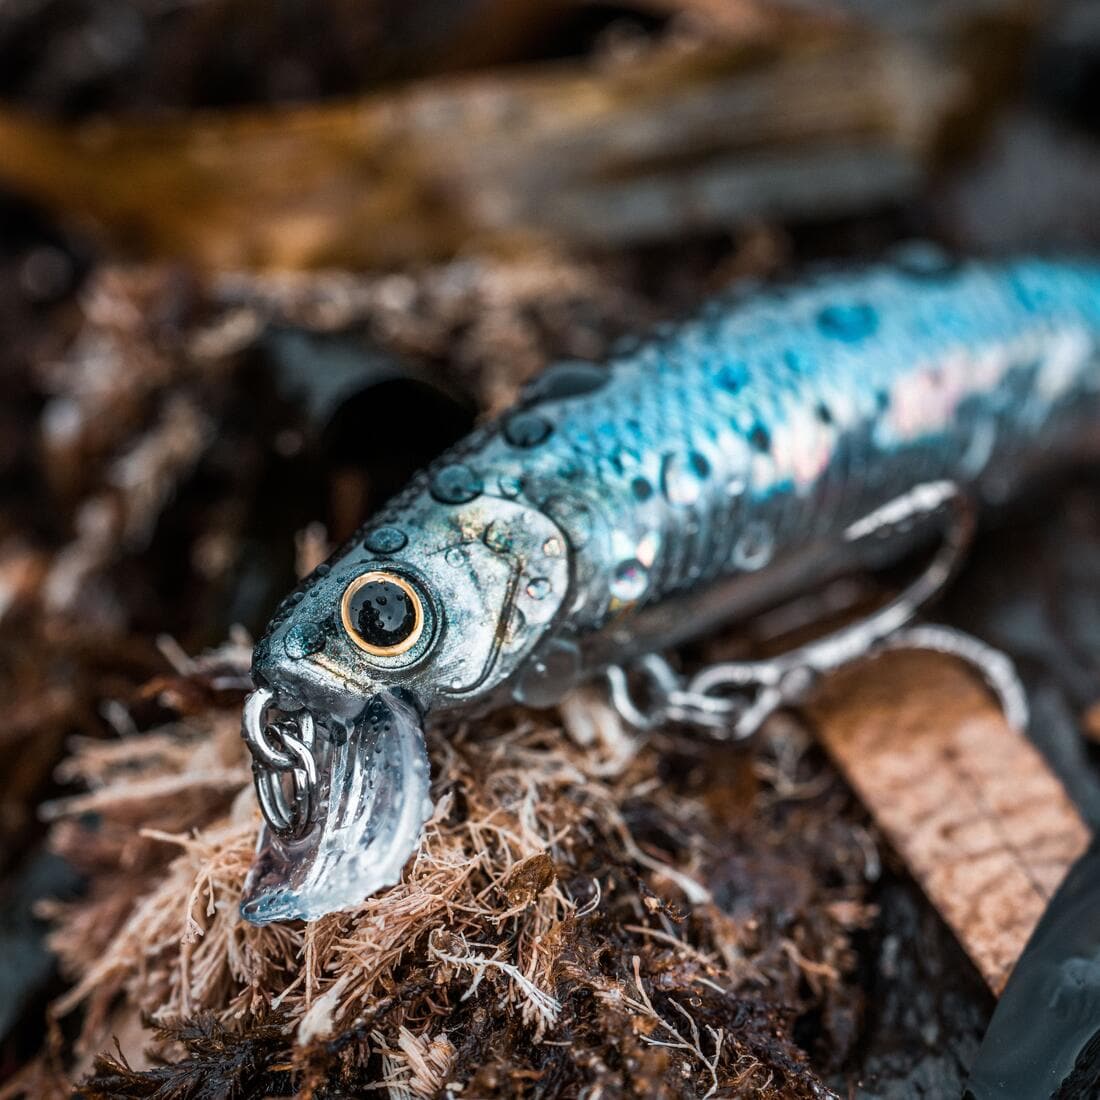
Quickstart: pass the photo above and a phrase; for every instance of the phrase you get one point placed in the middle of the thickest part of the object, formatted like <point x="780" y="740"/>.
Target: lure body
<point x="696" y="478"/>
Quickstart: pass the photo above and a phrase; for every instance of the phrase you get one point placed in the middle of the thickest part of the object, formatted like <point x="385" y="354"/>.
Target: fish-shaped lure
<point x="783" y="434"/>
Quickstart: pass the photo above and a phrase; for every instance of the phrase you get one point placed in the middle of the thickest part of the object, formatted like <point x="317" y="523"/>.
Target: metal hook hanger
<point x="733" y="699"/>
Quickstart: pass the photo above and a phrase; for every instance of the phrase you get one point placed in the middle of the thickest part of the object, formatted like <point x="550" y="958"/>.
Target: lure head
<point x="433" y="611"/>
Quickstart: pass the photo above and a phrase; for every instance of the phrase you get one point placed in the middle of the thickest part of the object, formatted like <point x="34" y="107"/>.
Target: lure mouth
<point x="344" y="803"/>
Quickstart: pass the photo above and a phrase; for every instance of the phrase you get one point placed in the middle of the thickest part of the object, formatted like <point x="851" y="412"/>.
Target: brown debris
<point x="969" y="804"/>
<point x="529" y="878"/>
<point x="550" y="930"/>
<point x="792" y="118"/>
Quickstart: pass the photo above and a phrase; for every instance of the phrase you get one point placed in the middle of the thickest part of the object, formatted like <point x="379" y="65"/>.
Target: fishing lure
<point x="784" y="435"/>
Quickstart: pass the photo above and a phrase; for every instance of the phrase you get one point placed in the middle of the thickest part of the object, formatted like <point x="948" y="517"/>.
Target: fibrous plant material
<point x="584" y="910"/>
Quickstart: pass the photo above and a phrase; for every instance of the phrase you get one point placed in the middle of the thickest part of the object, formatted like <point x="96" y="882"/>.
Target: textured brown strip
<point x="979" y="818"/>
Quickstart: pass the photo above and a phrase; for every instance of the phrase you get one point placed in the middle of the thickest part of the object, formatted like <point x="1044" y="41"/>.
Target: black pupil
<point x="383" y="613"/>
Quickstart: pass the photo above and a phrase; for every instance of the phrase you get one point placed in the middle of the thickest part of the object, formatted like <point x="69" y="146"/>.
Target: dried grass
<point x="556" y="925"/>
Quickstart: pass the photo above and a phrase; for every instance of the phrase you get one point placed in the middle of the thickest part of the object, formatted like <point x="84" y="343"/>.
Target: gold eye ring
<point x="382" y="613"/>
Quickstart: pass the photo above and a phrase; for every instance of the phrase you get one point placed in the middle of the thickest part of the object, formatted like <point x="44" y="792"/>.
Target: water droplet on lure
<point x="538" y="588"/>
<point x="629" y="580"/>
<point x="753" y="549"/>
<point x="455" y="483"/>
<point x="552" y="547"/>
<point x="385" y="540"/>
<point x="566" y="379"/>
<point x="497" y="537"/>
<point x="454" y="555"/>
<point x="509" y="486"/>
<point x="527" y="429"/>
<point x="683" y="477"/>
<point x="548" y="676"/>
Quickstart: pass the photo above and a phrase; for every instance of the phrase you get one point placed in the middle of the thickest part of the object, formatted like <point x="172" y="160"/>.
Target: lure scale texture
<point x="622" y="508"/>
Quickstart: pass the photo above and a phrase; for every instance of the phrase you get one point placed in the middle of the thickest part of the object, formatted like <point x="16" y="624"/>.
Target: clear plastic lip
<point x="371" y="805"/>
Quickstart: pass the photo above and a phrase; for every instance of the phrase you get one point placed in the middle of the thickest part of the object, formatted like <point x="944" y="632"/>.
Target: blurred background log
<point x="795" y="122"/>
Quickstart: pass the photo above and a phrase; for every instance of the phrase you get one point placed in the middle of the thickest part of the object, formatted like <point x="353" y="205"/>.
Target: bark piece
<point x="969" y="803"/>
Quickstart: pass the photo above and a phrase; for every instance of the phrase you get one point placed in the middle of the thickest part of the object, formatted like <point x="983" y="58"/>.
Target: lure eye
<point x="383" y="614"/>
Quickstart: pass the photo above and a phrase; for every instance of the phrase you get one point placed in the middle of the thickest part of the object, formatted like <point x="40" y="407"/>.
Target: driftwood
<point x="969" y="804"/>
<point x="674" y="139"/>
